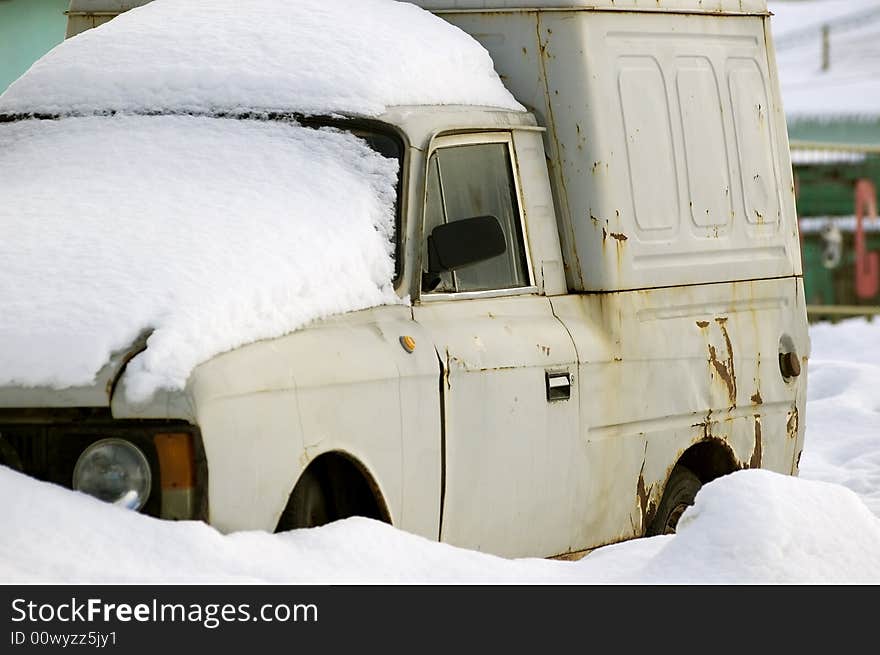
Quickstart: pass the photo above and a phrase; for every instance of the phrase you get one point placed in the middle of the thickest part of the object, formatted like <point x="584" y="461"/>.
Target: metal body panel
<point x="699" y="188"/>
<point x="163" y="404"/>
<point x="513" y="458"/>
<point x="540" y="218"/>
<point x="96" y="394"/>
<point x="345" y="385"/>
<point x="667" y="6"/>
<point x="661" y="370"/>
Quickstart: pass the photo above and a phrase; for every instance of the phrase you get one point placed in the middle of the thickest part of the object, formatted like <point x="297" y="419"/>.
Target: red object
<point x="867" y="263"/>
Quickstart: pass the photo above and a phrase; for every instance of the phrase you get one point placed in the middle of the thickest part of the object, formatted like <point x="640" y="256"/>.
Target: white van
<point x="607" y="309"/>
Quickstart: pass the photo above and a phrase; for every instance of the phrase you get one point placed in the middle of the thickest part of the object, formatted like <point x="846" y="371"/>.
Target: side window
<point x="467" y="181"/>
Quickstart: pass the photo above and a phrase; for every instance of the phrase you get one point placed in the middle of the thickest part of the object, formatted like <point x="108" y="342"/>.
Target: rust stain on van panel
<point x="490" y="369"/>
<point x="725" y="369"/>
<point x="706" y="425"/>
<point x="791" y="425"/>
<point x="618" y="235"/>
<point x="756" y="398"/>
<point x="644" y="501"/>
<point x="647" y="507"/>
<point x="757" y="452"/>
<point x="702" y="324"/>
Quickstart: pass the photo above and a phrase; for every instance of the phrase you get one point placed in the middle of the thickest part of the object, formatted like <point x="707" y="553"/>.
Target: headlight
<point x="115" y="471"/>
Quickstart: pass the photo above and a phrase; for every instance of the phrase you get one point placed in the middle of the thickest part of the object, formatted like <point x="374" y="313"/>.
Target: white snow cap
<point x="214" y="232"/>
<point x="310" y="56"/>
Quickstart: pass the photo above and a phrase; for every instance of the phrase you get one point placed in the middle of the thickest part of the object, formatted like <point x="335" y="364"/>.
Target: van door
<point x="509" y="369"/>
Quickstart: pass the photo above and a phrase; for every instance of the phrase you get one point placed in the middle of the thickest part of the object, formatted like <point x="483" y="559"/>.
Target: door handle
<point x="558" y="385"/>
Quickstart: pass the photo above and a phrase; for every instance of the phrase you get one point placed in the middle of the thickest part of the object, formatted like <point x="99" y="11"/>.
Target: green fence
<point x="28" y="30"/>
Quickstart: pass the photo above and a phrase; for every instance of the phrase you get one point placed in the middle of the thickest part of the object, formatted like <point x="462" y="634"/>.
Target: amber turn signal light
<point x="176" y="460"/>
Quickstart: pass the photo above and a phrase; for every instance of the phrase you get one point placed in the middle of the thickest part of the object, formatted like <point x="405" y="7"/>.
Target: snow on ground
<point x="851" y="86"/>
<point x="749" y="527"/>
<point x="310" y="56"/>
<point x="104" y="223"/>
<point x="843" y="408"/>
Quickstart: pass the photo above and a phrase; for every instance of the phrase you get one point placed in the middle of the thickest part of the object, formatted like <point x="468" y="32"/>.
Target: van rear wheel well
<point x="699" y="464"/>
<point x="709" y="459"/>
<point x="334" y="486"/>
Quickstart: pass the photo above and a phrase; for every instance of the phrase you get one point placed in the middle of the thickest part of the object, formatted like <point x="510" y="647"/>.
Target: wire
<point x="843" y="23"/>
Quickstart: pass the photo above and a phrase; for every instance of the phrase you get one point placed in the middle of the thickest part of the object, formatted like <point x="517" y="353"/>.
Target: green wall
<point x="835" y="286"/>
<point x="28" y="30"/>
<point x="829" y="189"/>
<point x="840" y="130"/>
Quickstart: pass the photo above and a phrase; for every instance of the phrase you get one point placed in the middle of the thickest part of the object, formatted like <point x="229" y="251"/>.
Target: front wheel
<point x="679" y="494"/>
<point x="330" y="489"/>
<point x="310" y="503"/>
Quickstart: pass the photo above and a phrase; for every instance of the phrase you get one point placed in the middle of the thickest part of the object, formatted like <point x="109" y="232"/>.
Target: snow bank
<point x="762" y="527"/>
<point x="215" y="232"/>
<point x="310" y="56"/>
<point x="750" y="527"/>
<point x="851" y="86"/>
<point x="842" y="443"/>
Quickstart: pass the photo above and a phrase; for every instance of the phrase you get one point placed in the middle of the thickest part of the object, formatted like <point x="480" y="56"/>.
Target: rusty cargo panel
<point x="666" y="140"/>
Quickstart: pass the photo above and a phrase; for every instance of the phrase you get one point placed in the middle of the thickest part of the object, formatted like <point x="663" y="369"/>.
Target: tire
<point x="332" y="488"/>
<point x="679" y="494"/>
<point x="310" y="503"/>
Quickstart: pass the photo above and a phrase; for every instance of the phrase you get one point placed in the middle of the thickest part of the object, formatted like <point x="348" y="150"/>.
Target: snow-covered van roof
<point x="691" y="6"/>
<point x="309" y="56"/>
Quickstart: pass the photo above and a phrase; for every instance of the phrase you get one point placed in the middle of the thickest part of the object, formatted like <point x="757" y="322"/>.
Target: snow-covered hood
<point x="97" y="393"/>
<point x="210" y="232"/>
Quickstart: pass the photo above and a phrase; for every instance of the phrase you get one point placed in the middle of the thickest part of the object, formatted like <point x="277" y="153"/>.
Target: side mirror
<point x="460" y="243"/>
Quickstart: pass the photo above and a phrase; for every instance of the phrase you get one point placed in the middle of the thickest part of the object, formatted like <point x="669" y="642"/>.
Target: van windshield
<point x="383" y="140"/>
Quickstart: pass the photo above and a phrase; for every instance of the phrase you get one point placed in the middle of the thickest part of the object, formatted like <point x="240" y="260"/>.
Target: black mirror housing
<point x="461" y="243"/>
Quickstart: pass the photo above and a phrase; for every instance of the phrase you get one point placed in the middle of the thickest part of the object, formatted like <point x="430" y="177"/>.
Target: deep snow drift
<point x="843" y="408"/>
<point x="750" y="527"/>
<point x="215" y="232"/>
<point x="310" y="56"/>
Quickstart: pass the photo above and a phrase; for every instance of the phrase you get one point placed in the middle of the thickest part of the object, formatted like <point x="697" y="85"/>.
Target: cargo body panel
<point x="666" y="141"/>
<point x="662" y="370"/>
